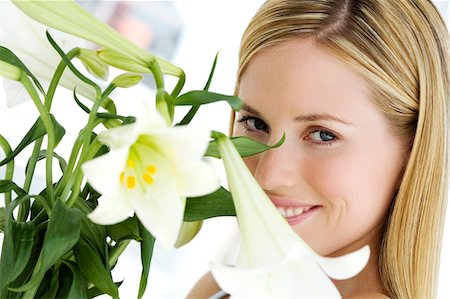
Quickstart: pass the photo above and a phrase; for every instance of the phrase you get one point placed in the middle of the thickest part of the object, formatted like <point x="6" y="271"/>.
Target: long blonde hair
<point x="401" y="48"/>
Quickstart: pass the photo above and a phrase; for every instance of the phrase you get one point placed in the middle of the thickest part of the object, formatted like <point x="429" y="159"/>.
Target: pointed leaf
<point x="15" y="242"/>
<point x="49" y="286"/>
<point x="245" y="146"/>
<point x="93" y="233"/>
<point x="211" y="74"/>
<point x="72" y="283"/>
<point x="42" y="155"/>
<point x="93" y="268"/>
<point x="147" y="243"/>
<point x="2" y="219"/>
<point x="36" y="131"/>
<point x="200" y="97"/>
<point x="8" y="56"/>
<point x="7" y="185"/>
<point x="16" y="250"/>
<point x="124" y="230"/>
<point x="63" y="232"/>
<point x="219" y="203"/>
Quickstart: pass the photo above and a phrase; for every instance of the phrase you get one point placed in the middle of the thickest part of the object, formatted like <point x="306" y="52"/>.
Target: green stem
<point x="45" y="116"/>
<point x="57" y="77"/>
<point x="92" y="150"/>
<point x="118" y="250"/>
<point x="67" y="179"/>
<point x="157" y="74"/>
<point x="32" y="164"/>
<point x="181" y="80"/>
<point x="9" y="167"/>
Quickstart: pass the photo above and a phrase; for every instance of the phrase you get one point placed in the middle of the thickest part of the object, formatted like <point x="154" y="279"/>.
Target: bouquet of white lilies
<point x="132" y="177"/>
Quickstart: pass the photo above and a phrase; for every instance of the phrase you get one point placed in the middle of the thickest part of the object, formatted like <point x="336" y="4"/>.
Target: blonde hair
<point x="401" y="48"/>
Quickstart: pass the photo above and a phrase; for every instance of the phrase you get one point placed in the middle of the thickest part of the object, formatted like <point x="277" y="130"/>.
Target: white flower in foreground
<point x="273" y="260"/>
<point x="150" y="170"/>
<point x="26" y="38"/>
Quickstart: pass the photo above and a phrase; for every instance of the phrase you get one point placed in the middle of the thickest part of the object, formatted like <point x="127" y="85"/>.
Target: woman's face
<point x="337" y="172"/>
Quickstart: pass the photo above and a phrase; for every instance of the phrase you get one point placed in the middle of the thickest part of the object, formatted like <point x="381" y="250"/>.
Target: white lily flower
<point x="273" y="260"/>
<point x="150" y="170"/>
<point x="27" y="39"/>
<point x="69" y="17"/>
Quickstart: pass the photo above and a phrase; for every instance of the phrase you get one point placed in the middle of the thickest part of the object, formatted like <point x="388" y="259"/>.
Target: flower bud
<point x="126" y="80"/>
<point x="10" y="71"/>
<point x="93" y="64"/>
<point x="188" y="231"/>
<point x="120" y="61"/>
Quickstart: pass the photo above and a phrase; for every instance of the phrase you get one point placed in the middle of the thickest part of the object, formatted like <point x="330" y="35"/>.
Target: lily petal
<point x="346" y="266"/>
<point x="111" y="210"/>
<point x="199" y="180"/>
<point x="194" y="139"/>
<point x="104" y="175"/>
<point x="123" y="136"/>
<point x="161" y="209"/>
<point x="296" y="276"/>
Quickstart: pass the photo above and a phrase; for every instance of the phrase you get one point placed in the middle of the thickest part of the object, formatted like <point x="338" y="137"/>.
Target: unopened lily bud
<point x="93" y="64"/>
<point x="10" y="71"/>
<point x="126" y="80"/>
<point x="122" y="62"/>
<point x="188" y="231"/>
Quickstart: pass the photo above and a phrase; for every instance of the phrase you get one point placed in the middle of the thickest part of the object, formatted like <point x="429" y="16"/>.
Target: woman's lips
<point x="293" y="211"/>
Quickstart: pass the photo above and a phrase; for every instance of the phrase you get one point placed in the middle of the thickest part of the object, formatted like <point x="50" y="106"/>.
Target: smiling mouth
<point x="294" y="215"/>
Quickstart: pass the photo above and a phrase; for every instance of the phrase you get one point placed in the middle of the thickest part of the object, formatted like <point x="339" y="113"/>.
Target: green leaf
<point x="244" y="145"/>
<point x="125" y="230"/>
<point x="17" y="245"/>
<point x="94" y="291"/>
<point x="9" y="57"/>
<point x="72" y="283"/>
<point x="211" y="74"/>
<point x="27" y="272"/>
<point x="201" y="97"/>
<point x="42" y="155"/>
<point x="93" y="267"/>
<point x="63" y="232"/>
<point x="69" y="64"/>
<point x="219" y="203"/>
<point x="147" y="244"/>
<point x="49" y="286"/>
<point x="93" y="233"/>
<point x="36" y="131"/>
<point x="7" y="185"/>
<point x="2" y="219"/>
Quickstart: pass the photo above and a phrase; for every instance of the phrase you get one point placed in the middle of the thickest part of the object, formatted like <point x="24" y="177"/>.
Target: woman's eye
<point x="253" y="123"/>
<point x="321" y="136"/>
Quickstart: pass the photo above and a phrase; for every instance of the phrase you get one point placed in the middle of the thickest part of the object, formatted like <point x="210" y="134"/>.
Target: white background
<point x="209" y="26"/>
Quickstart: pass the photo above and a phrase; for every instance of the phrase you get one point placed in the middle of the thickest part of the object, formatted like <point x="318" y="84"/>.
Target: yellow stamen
<point x="131" y="163"/>
<point x="148" y="179"/>
<point x="131" y="182"/>
<point x="122" y="177"/>
<point x="151" y="169"/>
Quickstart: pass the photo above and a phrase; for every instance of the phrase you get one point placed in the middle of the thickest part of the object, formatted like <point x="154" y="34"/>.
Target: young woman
<point x="361" y="90"/>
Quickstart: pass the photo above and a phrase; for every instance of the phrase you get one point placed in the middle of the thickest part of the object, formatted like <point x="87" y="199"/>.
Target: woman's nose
<point x="277" y="168"/>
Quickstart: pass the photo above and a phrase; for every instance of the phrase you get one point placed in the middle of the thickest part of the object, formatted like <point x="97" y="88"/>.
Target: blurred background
<point x="188" y="33"/>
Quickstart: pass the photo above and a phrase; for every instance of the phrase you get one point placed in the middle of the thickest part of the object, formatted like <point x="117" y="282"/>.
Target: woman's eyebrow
<point x="307" y="117"/>
<point x="321" y="116"/>
<point x="250" y="110"/>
